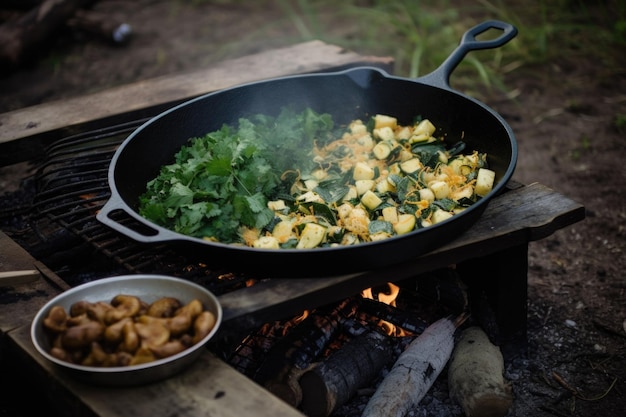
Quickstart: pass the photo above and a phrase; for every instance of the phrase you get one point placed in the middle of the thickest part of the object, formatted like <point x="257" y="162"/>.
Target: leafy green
<point x="223" y="179"/>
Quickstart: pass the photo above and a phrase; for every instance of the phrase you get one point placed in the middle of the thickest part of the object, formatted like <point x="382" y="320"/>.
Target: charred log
<point x="334" y="381"/>
<point x="295" y="352"/>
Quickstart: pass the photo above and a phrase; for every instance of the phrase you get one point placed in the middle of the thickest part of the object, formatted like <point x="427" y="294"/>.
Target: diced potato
<point x="319" y="174"/>
<point x="484" y="181"/>
<point x="362" y="171"/>
<point x="362" y="186"/>
<point x="411" y="165"/>
<point x="405" y="155"/>
<point x="371" y="200"/>
<point x="390" y="214"/>
<point x="344" y="210"/>
<point x="439" y="216"/>
<point x="366" y="141"/>
<point x="384" y="133"/>
<point x="427" y="194"/>
<point x="312" y="235"/>
<point x="395" y="168"/>
<point x="424" y="127"/>
<point x="441" y="189"/>
<point x="276" y="205"/>
<point x="357" y="127"/>
<point x="406" y="223"/>
<point x="403" y="133"/>
<point x="385" y="186"/>
<point x="381" y="120"/>
<point x="266" y="242"/>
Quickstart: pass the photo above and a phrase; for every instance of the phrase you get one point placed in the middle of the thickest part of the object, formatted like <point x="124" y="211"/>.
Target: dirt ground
<point x="562" y="114"/>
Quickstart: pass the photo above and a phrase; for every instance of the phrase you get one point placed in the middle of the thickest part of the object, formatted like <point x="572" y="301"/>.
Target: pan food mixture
<point x="297" y="181"/>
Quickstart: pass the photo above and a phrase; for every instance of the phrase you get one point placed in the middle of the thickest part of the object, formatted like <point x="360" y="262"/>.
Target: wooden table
<point x="494" y="251"/>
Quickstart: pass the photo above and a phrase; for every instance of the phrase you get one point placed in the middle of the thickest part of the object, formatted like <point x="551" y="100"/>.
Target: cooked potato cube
<point x="441" y="189"/>
<point x="381" y="120"/>
<point x="439" y="216"/>
<point x="362" y="186"/>
<point x="484" y="181"/>
<point x="362" y="171"/>
<point x="406" y="223"/>
<point x="427" y="194"/>
<point x="390" y="214"/>
<point x="424" y="127"/>
<point x="411" y="165"/>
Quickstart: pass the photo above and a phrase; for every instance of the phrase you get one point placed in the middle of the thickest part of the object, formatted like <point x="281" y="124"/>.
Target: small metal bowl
<point x="148" y="288"/>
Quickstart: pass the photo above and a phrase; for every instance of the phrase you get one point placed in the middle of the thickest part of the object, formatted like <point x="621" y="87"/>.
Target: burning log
<point x="475" y="376"/>
<point x="334" y="381"/>
<point x="294" y="353"/>
<point x="415" y="371"/>
<point x="407" y="321"/>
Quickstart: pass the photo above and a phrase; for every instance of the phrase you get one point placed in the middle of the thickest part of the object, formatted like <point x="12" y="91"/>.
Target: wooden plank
<point x="37" y="125"/>
<point x="208" y="387"/>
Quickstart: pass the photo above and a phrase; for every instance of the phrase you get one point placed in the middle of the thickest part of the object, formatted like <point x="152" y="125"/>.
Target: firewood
<point x="475" y="376"/>
<point x="21" y="38"/>
<point x="290" y="357"/>
<point x="334" y="381"/>
<point x="415" y="371"/>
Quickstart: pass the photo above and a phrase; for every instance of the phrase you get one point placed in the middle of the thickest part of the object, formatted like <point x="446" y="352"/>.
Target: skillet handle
<point x="115" y="209"/>
<point x="441" y="76"/>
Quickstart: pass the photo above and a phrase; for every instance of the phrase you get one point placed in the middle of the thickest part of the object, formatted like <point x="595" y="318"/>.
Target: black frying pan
<point x="352" y="94"/>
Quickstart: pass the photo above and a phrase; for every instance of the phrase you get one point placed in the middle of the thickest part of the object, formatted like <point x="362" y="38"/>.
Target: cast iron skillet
<point x="351" y="94"/>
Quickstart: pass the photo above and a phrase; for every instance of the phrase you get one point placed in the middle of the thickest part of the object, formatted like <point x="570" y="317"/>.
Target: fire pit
<point x="266" y="338"/>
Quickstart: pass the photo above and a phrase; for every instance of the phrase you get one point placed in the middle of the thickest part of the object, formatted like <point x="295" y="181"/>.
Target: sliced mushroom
<point x="124" y="306"/>
<point x="56" y="320"/>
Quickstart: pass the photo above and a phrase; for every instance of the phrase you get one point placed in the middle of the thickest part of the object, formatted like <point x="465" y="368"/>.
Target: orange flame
<point x="389" y="298"/>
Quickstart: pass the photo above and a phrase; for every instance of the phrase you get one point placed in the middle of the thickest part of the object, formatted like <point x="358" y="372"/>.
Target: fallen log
<point x="476" y="376"/>
<point x="331" y="383"/>
<point x="22" y="38"/>
<point x="415" y="371"/>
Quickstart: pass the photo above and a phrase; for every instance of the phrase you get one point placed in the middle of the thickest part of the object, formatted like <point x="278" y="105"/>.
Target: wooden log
<point x="415" y="371"/>
<point x="405" y="320"/>
<point x="331" y="383"/>
<point x="475" y="376"/>
<point x="294" y="353"/>
<point x="22" y="38"/>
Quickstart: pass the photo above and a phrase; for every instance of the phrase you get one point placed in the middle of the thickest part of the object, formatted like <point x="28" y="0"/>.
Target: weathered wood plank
<point x="208" y="387"/>
<point x="37" y="125"/>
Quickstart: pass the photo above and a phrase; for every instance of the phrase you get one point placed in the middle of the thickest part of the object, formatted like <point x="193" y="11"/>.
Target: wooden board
<point x="35" y="126"/>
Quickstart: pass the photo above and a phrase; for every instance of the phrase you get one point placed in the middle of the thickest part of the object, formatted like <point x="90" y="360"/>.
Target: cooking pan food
<point x="355" y="94"/>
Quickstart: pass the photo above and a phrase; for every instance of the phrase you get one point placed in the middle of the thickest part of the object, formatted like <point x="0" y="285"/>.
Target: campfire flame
<point x="388" y="297"/>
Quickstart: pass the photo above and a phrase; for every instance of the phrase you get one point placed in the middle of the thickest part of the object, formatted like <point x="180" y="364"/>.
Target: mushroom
<point x="124" y="306"/>
<point x="130" y="341"/>
<point x="164" y="307"/>
<point x="98" y="310"/>
<point x="56" y="320"/>
<point x="152" y="332"/>
<point x="113" y="332"/>
<point x="203" y="325"/>
<point x="81" y="336"/>
<point x="168" y="349"/>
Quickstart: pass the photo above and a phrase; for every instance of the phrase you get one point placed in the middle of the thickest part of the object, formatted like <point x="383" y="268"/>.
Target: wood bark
<point x="475" y="376"/>
<point x="415" y="371"/>
<point x="334" y="381"/>
<point x="298" y="350"/>
<point x="22" y="38"/>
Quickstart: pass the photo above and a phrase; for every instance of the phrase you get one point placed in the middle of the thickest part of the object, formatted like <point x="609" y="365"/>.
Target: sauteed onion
<point x="296" y="181"/>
